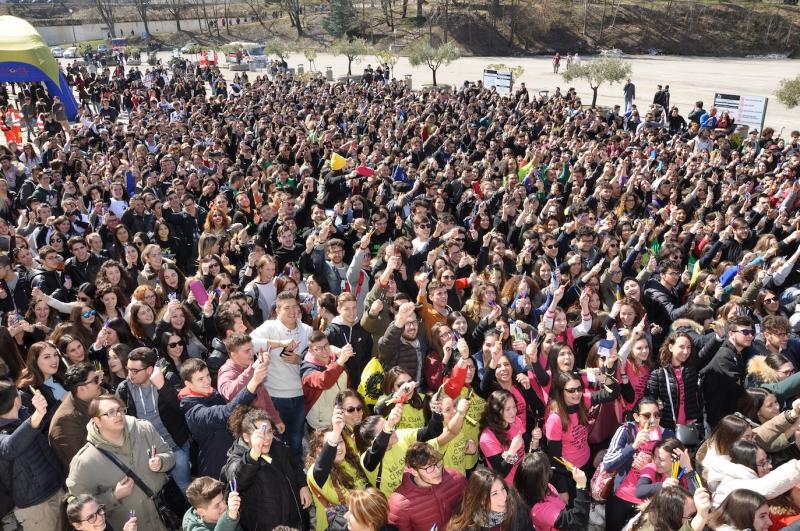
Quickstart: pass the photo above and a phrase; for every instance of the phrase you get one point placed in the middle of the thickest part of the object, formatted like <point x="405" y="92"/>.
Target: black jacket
<point x="169" y="409"/>
<point x="19" y="298"/>
<point x="270" y="491"/>
<point x="81" y="272"/>
<point x="339" y="334"/>
<point x="50" y="282"/>
<point x="216" y="359"/>
<point x="29" y="469"/>
<point x="663" y="305"/>
<point x="657" y="389"/>
<point x="723" y="381"/>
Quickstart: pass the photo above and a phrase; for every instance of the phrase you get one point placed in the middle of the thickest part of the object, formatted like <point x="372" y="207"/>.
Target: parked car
<point x="188" y="46"/>
<point x="58" y="52"/>
<point x="71" y="52"/>
<point x="103" y="49"/>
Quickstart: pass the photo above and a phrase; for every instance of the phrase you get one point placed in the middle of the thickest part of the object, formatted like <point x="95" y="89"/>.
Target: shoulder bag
<point x="170" y="502"/>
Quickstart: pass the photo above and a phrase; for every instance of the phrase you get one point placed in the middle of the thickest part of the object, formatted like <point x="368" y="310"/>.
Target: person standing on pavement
<point x="629" y="91"/>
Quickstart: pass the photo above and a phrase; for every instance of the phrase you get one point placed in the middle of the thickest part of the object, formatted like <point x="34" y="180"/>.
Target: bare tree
<point x="106" y="10"/>
<point x="387" y="6"/>
<point x="175" y="7"/>
<point x="293" y="10"/>
<point x="419" y="8"/>
<point x="141" y="8"/>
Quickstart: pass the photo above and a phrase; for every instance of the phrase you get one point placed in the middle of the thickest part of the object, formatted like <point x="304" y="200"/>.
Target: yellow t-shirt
<point x="412" y="417"/>
<point x="330" y="494"/>
<point x="471" y="428"/>
<point x="394" y="463"/>
<point x="453" y="453"/>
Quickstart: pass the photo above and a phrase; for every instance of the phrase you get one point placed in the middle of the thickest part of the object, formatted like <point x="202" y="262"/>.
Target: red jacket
<point x="316" y="379"/>
<point x="413" y="508"/>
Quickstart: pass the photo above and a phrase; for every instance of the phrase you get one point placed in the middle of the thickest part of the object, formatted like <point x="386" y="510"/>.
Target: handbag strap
<point x="128" y="472"/>
<point x="669" y="394"/>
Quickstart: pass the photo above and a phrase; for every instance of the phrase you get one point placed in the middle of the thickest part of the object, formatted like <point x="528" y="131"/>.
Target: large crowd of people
<point x="282" y="303"/>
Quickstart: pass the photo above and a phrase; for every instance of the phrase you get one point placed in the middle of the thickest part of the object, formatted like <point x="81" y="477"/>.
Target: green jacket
<point x="192" y="522"/>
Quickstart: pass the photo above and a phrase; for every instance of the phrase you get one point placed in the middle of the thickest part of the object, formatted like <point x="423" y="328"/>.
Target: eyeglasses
<point x="95" y="516"/>
<point x="88" y="314"/>
<point x="95" y="381"/>
<point x="136" y="371"/>
<point x="111" y="413"/>
<point x="573" y="390"/>
<point x="432" y="467"/>
<point x="178" y="343"/>
<point x="320" y="348"/>
<point x="767" y="463"/>
<point x="655" y="415"/>
<point x="745" y="332"/>
<point x="353" y="409"/>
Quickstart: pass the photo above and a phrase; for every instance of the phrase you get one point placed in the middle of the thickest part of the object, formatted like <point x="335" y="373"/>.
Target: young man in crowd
<point x="207" y="412"/>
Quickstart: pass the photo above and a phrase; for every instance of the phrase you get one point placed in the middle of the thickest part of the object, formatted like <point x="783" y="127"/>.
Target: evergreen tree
<point x="342" y="19"/>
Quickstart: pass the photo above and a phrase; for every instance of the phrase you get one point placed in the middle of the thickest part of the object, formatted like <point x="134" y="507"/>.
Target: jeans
<point x="293" y="414"/>
<point x="182" y="473"/>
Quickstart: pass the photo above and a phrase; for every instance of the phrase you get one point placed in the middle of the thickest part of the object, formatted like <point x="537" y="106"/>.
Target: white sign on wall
<point x="502" y="81"/>
<point x="746" y="110"/>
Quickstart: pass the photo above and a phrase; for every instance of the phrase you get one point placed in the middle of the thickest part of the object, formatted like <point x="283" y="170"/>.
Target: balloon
<point x="337" y="162"/>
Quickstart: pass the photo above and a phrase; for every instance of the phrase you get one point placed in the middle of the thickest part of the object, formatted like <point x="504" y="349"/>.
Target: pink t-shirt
<point x="627" y="489"/>
<point x="574" y="440"/>
<point x="681" y="398"/>
<point x="638" y="380"/>
<point x="545" y="513"/>
<point x="491" y="446"/>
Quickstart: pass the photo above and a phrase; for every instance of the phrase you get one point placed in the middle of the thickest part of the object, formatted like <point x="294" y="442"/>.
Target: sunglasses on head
<point x="88" y="314"/>
<point x="178" y="343"/>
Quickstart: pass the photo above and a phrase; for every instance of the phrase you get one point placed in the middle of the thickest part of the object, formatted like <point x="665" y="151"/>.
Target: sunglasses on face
<point x="353" y="409"/>
<point x="745" y="332"/>
<point x="655" y="415"/>
<point x="88" y="314"/>
<point x="178" y="343"/>
<point x="573" y="390"/>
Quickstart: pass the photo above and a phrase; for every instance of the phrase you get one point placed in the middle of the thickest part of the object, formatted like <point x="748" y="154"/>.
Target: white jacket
<point x="735" y="476"/>
<point x="714" y="466"/>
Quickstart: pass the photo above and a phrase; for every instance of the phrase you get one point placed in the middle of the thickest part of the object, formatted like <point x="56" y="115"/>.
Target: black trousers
<point x="618" y="512"/>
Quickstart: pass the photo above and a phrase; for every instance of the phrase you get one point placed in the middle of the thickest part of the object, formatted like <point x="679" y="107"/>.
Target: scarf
<point x="496" y="518"/>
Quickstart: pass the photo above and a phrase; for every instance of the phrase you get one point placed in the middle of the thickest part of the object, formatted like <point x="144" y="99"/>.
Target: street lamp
<point x="72" y="25"/>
